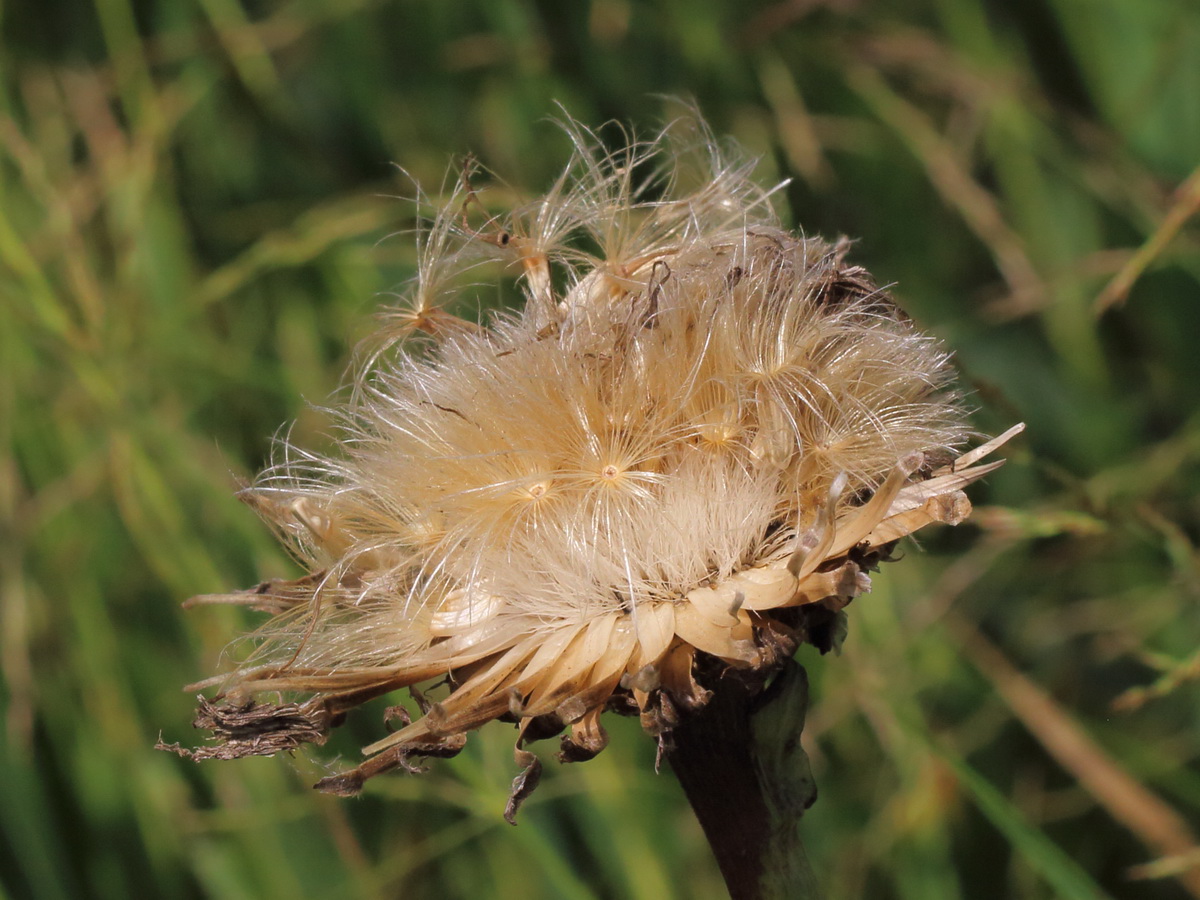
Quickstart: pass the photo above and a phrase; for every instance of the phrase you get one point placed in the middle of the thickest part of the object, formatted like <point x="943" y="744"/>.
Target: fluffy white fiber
<point x="679" y="433"/>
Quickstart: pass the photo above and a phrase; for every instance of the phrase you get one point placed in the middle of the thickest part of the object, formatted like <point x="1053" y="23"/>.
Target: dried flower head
<point x="694" y="440"/>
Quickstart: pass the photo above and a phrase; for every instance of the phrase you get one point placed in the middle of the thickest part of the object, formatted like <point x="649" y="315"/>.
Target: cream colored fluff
<point x="696" y="419"/>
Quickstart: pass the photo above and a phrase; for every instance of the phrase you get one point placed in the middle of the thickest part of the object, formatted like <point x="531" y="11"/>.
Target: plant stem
<point x="746" y="776"/>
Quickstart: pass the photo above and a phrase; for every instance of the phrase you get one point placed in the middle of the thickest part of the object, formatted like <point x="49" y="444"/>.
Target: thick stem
<point x="746" y="776"/>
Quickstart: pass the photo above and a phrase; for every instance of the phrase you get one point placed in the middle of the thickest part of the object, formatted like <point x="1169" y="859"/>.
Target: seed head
<point x="699" y="430"/>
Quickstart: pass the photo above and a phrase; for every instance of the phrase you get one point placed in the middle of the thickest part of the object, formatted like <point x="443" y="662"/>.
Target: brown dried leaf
<point x="586" y="740"/>
<point x="524" y="784"/>
<point x="258" y="729"/>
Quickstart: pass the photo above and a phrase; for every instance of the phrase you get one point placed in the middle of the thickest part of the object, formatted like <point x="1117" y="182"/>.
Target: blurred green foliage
<point x="198" y="215"/>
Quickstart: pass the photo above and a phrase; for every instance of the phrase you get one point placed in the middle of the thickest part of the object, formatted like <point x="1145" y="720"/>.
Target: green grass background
<point x="198" y="216"/>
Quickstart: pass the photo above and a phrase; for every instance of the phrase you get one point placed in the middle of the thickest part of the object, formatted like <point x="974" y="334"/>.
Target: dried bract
<point x="698" y="426"/>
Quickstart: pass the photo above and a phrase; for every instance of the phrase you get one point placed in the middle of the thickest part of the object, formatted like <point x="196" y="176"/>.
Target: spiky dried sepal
<point x="710" y="423"/>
